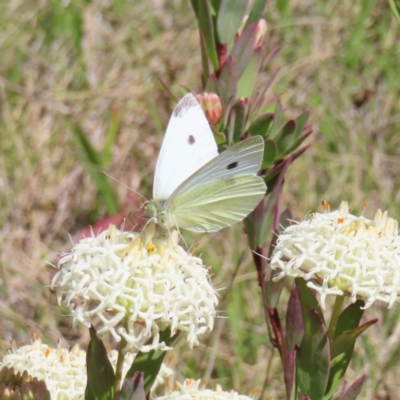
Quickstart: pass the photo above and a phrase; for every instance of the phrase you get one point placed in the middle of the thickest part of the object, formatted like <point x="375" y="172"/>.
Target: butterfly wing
<point x="188" y="145"/>
<point x="217" y="204"/>
<point x="243" y="158"/>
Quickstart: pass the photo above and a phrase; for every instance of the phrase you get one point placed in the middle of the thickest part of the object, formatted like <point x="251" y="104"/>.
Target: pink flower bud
<point x="261" y="32"/>
<point x="212" y="107"/>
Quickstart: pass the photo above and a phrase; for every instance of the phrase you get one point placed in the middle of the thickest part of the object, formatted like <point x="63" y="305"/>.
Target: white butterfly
<point x="196" y="188"/>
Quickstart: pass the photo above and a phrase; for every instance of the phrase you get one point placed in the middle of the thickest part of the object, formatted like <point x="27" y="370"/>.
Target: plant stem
<point x="120" y="365"/>
<point x="337" y="308"/>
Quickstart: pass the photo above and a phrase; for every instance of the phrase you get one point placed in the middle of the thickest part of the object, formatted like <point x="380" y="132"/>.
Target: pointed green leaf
<point x="350" y="318"/>
<point x="215" y="5"/>
<point x="261" y="125"/>
<point x="133" y="388"/>
<point x="91" y="159"/>
<point x="354" y="390"/>
<point x="227" y="82"/>
<point x="240" y="109"/>
<point x="243" y="48"/>
<point x="285" y="138"/>
<point x="206" y="27"/>
<point x="148" y="364"/>
<point x="254" y="224"/>
<point x="270" y="153"/>
<point x="313" y="357"/>
<point x="205" y="61"/>
<point x="247" y="82"/>
<point x="256" y="12"/>
<point x="229" y="19"/>
<point x="100" y="381"/>
<point x="295" y="145"/>
<point x="212" y="85"/>
<point x="308" y="300"/>
<point x="277" y="120"/>
<point x="395" y="7"/>
<point x="342" y="351"/>
<point x="301" y="121"/>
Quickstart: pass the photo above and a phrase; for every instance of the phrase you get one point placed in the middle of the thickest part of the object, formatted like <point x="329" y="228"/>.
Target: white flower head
<point x="63" y="371"/>
<point x="195" y="389"/>
<point x="135" y="290"/>
<point x="342" y="254"/>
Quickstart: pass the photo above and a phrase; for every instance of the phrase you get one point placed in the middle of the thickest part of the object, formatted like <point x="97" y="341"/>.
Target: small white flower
<point x="340" y="253"/>
<point x="194" y="389"/>
<point x="63" y="371"/>
<point x="136" y="290"/>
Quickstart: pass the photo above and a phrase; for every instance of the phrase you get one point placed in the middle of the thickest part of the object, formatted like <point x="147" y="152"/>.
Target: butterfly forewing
<point x="188" y="145"/>
<point x="217" y="204"/>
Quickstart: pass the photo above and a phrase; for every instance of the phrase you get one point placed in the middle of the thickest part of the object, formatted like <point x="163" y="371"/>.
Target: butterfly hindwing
<point x="217" y="204"/>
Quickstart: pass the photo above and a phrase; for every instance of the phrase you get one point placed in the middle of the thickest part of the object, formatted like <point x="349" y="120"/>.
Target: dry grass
<point x="53" y="74"/>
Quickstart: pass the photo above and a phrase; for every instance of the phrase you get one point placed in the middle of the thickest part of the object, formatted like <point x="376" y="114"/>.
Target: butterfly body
<point x="196" y="188"/>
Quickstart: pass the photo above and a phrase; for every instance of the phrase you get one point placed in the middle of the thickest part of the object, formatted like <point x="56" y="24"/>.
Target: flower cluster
<point x="342" y="254"/>
<point x="63" y="371"/>
<point x="194" y="389"/>
<point x="136" y="289"/>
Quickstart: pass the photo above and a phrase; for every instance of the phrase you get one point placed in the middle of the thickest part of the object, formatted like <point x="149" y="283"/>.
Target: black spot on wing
<point x="185" y="104"/>
<point x="191" y="139"/>
<point x="232" y="165"/>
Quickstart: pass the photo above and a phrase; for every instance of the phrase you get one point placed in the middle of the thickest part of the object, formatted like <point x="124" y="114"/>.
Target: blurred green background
<point x="79" y="94"/>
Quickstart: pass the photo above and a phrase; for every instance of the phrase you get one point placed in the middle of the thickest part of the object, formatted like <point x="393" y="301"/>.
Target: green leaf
<point x="247" y="82"/>
<point x="212" y="85"/>
<point x="261" y="125"/>
<point x="206" y="27"/>
<point x="100" y="381"/>
<point x="256" y="12"/>
<point x="111" y="137"/>
<point x="205" y="61"/>
<point x="308" y="300"/>
<point x="295" y="145"/>
<point x="254" y="225"/>
<point x="350" y="318"/>
<point x="301" y="121"/>
<point x="270" y="153"/>
<point x="343" y="345"/>
<point x="243" y="48"/>
<point x="240" y="109"/>
<point x="277" y="120"/>
<point x="227" y="82"/>
<point x="313" y="356"/>
<point x="133" y="388"/>
<point x="229" y="19"/>
<point x="285" y="136"/>
<point x="92" y="161"/>
<point x="148" y="364"/>
<point x="395" y="7"/>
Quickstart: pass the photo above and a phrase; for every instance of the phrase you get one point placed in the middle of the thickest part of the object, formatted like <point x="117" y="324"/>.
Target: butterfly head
<point x="156" y="211"/>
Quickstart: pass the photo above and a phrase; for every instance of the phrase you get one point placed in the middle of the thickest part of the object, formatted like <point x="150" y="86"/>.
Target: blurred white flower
<point x="195" y="389"/>
<point x="135" y="290"/>
<point x="63" y="371"/>
<point x="342" y="254"/>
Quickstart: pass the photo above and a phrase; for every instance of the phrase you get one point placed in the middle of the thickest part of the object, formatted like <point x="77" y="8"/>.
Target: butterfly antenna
<point x="123" y="184"/>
